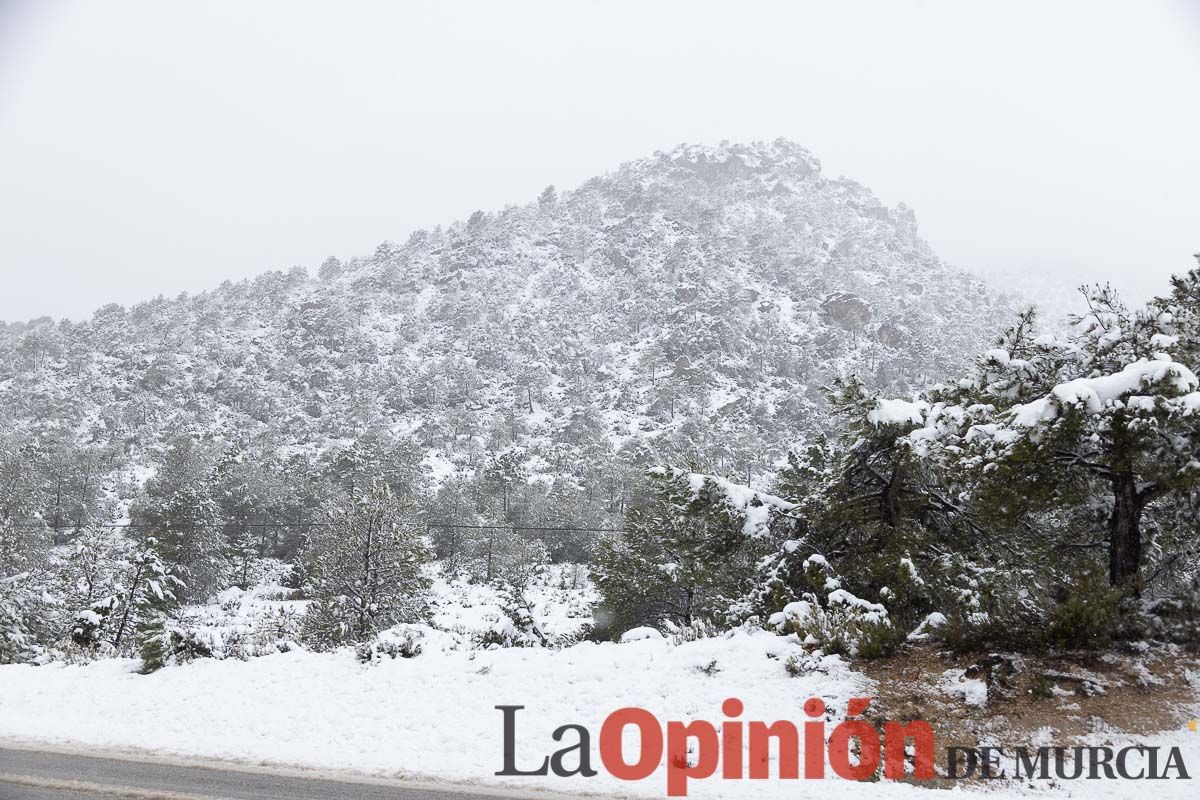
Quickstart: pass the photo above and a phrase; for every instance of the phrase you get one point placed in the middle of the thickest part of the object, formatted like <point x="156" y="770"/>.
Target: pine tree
<point x="686" y="556"/>
<point x="91" y="584"/>
<point x="25" y="614"/>
<point x="1179" y="316"/>
<point x="1106" y="414"/>
<point x="364" y="568"/>
<point x="872" y="505"/>
<point x="147" y="596"/>
<point x="180" y="510"/>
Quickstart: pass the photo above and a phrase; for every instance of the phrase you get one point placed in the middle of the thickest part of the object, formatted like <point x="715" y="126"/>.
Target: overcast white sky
<point x="157" y="147"/>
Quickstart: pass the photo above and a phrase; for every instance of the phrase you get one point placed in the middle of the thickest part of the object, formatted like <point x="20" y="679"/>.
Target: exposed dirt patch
<point x="1050" y="699"/>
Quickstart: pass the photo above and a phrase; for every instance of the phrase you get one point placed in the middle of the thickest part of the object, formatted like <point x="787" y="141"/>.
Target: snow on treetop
<point x="752" y="505"/>
<point x="739" y="496"/>
<point x="940" y="419"/>
<point x="1096" y="394"/>
<point x="897" y="412"/>
<point x="872" y="612"/>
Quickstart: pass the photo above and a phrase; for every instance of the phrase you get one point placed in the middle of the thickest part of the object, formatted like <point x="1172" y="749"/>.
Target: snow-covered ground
<point x="430" y="716"/>
<point x="433" y="716"/>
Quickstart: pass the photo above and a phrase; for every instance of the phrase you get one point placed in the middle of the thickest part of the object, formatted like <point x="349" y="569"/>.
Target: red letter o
<point x="612" y="754"/>
<point x="868" y="751"/>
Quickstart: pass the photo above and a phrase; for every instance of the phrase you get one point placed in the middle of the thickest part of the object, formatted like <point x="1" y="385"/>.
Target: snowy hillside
<point x="688" y="305"/>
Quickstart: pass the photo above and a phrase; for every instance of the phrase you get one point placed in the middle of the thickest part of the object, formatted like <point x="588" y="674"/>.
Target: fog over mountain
<point x="686" y="306"/>
<point x="227" y="138"/>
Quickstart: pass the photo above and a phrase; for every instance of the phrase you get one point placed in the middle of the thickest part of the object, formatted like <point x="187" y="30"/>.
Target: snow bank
<point x="639" y="635"/>
<point x="431" y="715"/>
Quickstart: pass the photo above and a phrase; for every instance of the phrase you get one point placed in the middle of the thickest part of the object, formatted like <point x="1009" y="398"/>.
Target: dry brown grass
<point x="1142" y="693"/>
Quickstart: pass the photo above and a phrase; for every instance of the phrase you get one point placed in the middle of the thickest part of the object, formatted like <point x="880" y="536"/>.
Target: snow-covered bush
<point x="492" y="614"/>
<point x="188" y="644"/>
<point x="89" y="623"/>
<point x="641" y="634"/>
<point x="843" y="625"/>
<point x="517" y="626"/>
<point x="402" y="641"/>
<point x="505" y="633"/>
<point x="930" y="629"/>
<point x="699" y="629"/>
<point x="267" y="618"/>
<point x="165" y="643"/>
<point x="987" y="608"/>
<point x="23" y="611"/>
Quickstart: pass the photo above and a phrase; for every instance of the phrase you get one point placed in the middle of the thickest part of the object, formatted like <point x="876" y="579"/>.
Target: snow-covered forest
<point x="521" y="368"/>
<point x="711" y="412"/>
<point x="716" y="387"/>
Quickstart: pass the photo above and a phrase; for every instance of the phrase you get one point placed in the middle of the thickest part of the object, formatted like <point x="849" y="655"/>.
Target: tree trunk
<point x="1125" y="534"/>
<point x="889" y="498"/>
<point x="130" y="599"/>
<point x="365" y="595"/>
<point x="490" y="548"/>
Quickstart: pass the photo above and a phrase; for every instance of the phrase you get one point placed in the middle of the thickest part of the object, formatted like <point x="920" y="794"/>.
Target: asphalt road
<point x="39" y="775"/>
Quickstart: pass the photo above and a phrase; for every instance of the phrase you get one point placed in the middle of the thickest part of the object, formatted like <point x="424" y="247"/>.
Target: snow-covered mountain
<point x="689" y="305"/>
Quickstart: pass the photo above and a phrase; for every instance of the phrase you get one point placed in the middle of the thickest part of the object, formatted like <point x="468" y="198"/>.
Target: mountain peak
<point x="780" y="154"/>
<point x="762" y="165"/>
<point x="686" y="305"/>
